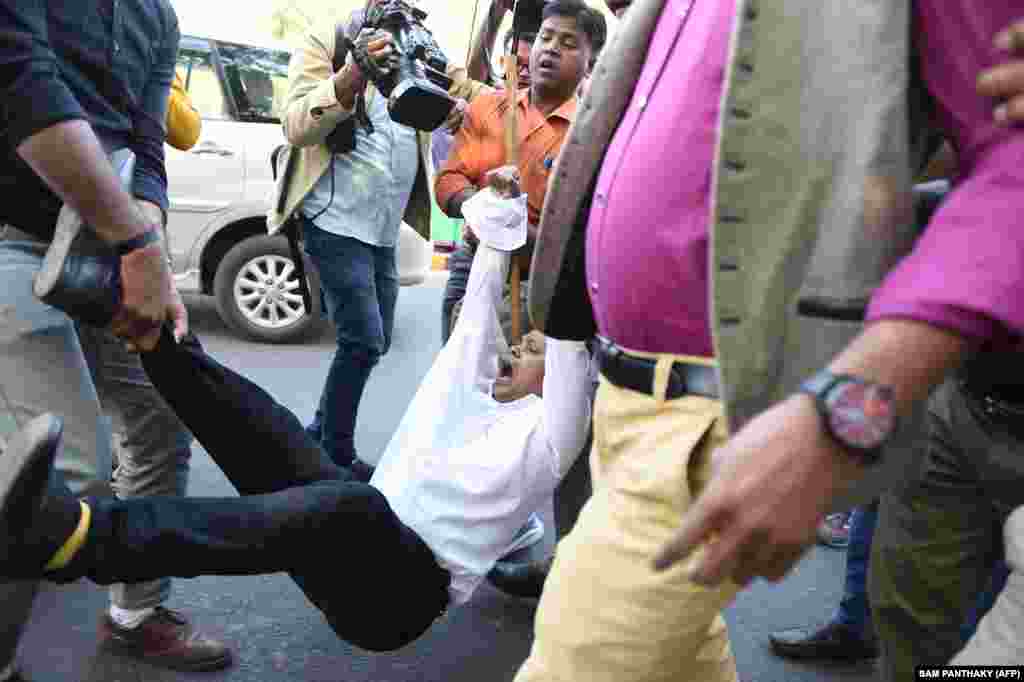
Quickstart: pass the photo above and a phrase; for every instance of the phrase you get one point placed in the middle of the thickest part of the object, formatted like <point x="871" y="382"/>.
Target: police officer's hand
<point x="146" y="287"/>
<point x="144" y="307"/>
<point x="1004" y="83"/>
<point x="504" y="181"/>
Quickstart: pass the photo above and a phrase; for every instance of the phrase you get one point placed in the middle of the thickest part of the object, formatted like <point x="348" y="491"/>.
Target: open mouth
<point x="505" y="369"/>
<point x="547" y="64"/>
<point x="616" y="5"/>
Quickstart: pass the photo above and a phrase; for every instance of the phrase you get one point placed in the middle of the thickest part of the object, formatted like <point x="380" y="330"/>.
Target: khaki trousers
<point x="605" y="615"/>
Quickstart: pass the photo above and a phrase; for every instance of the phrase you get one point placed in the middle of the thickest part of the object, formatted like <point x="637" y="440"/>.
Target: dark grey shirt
<point x="109" y="62"/>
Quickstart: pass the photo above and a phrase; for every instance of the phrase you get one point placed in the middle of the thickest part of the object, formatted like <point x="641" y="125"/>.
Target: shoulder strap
<point x="341" y="47"/>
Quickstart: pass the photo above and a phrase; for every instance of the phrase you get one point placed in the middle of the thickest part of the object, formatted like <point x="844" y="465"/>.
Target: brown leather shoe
<point x="165" y="639"/>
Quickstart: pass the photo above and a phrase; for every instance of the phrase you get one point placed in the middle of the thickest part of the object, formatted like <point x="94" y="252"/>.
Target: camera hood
<point x="419" y="104"/>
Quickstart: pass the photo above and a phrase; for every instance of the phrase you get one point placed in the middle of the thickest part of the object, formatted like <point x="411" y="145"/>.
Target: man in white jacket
<point x="476" y="454"/>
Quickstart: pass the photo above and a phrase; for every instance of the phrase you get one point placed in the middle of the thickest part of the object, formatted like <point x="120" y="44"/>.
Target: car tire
<point x="257" y="295"/>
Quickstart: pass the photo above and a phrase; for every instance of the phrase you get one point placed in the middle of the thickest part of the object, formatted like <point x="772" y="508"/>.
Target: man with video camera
<point x="355" y="173"/>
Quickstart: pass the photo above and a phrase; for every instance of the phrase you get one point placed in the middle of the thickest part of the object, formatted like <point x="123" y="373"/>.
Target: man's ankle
<point x="7" y="672"/>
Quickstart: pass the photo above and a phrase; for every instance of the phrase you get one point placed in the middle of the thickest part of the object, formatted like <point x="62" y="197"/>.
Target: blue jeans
<point x="854" y="610"/>
<point x="360" y="286"/>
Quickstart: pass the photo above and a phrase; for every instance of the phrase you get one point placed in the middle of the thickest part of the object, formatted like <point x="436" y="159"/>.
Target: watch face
<point x="861" y="415"/>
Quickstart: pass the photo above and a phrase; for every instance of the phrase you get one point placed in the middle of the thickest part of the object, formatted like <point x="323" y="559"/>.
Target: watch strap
<point x="150" y="236"/>
<point x="819" y="384"/>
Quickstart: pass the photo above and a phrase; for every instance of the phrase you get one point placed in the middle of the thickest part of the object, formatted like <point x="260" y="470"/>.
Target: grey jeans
<point x="50" y="364"/>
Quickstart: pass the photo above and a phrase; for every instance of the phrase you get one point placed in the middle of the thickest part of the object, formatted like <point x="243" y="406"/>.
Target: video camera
<point x="417" y="90"/>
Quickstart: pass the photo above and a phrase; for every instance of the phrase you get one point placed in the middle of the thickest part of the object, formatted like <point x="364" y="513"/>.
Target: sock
<point x="74" y="543"/>
<point x="7" y="673"/>
<point x="129" y="618"/>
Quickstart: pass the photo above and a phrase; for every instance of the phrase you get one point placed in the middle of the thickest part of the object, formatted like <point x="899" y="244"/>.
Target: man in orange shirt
<point x="559" y="60"/>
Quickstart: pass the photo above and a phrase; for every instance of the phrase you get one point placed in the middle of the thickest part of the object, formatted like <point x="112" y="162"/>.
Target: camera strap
<point x="343" y="43"/>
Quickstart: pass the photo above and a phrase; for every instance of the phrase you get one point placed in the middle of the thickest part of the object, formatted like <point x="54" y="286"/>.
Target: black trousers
<point x="299" y="513"/>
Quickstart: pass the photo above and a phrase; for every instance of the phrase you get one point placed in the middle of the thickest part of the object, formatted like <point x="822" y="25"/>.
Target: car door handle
<point x="212" y="148"/>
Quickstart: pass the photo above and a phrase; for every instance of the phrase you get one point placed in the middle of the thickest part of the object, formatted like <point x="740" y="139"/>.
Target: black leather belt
<point x="637" y="374"/>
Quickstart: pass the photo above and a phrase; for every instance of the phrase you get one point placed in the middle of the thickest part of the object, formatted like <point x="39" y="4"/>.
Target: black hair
<point x="526" y="37"/>
<point x="589" y="20"/>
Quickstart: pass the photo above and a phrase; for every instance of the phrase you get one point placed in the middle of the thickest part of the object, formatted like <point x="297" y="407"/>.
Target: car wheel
<point x="257" y="291"/>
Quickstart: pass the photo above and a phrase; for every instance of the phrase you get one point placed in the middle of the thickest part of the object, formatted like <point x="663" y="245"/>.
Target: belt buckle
<point x="610" y="350"/>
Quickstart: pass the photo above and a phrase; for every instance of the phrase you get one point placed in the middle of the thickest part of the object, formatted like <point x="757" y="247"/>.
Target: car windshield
<point x="257" y="78"/>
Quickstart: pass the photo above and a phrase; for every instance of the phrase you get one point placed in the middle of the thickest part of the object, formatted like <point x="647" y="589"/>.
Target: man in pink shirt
<point x="685" y="275"/>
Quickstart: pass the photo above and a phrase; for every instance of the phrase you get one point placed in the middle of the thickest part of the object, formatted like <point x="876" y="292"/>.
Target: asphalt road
<point x="278" y="636"/>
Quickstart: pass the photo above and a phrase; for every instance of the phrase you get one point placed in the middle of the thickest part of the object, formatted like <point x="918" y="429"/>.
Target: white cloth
<point x="465" y="471"/>
<point x="497" y="222"/>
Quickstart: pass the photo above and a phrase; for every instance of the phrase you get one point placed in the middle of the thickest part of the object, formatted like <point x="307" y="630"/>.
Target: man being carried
<point x="295" y="501"/>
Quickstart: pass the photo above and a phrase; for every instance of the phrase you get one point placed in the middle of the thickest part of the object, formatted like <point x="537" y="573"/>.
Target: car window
<point x="202" y="84"/>
<point x="257" y="78"/>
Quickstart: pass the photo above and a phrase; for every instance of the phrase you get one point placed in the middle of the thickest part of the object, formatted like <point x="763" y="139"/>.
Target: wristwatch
<point x="859" y="415"/>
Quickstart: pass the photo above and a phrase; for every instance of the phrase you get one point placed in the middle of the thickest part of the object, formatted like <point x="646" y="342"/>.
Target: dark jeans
<point x="987" y="599"/>
<point x="360" y="287"/>
<point x="854" y="610"/>
<point x="459" y="264"/>
<point x="295" y="503"/>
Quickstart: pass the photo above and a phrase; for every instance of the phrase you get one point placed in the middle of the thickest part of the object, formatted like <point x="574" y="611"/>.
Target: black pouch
<point x="342" y="139"/>
<point x="291" y="228"/>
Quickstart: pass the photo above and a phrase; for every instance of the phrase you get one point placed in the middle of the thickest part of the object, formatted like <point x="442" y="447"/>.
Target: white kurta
<point x="465" y="471"/>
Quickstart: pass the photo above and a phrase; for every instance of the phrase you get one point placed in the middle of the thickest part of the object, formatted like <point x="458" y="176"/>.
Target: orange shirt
<point x="480" y="147"/>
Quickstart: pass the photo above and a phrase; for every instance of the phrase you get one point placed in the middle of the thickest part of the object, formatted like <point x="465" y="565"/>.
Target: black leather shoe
<point x="362" y="471"/>
<point x="832" y="642"/>
<point x="521" y="579"/>
<point x="80" y="274"/>
<point x="32" y="525"/>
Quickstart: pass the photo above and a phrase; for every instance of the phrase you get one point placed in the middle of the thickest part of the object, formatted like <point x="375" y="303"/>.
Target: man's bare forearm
<point x="911" y="357"/>
<point x="69" y="158"/>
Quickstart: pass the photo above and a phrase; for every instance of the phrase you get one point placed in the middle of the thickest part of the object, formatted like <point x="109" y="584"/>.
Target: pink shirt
<point x="647" y="238"/>
<point x="967" y="271"/>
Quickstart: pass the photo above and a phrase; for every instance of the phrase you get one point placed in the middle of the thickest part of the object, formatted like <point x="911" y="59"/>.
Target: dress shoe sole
<point x="25" y="468"/>
<point x="170" y="662"/>
<point x="811" y="652"/>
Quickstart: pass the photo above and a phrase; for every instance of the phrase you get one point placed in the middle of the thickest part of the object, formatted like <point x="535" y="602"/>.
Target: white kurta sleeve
<point x="477" y="338"/>
<point x="569" y="374"/>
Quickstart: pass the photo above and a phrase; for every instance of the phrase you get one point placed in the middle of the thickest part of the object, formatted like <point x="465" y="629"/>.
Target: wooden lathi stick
<point x="512" y="158"/>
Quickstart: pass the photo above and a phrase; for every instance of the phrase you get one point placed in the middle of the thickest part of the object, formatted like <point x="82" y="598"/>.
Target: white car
<point x="220" y="191"/>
